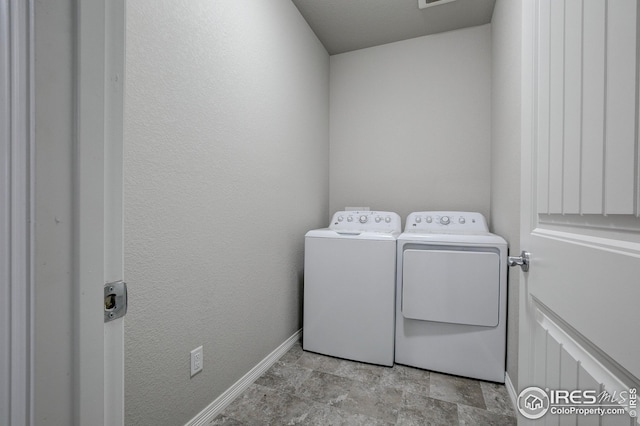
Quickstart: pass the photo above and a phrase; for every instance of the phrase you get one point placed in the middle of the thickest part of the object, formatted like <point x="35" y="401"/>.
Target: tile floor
<point x="305" y="388"/>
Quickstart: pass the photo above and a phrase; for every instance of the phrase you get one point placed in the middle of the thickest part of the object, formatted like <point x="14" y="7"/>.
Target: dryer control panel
<point x="447" y="222"/>
<point x="366" y="221"/>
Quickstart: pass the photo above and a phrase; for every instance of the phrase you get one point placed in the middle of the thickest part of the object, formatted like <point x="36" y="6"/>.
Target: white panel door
<point x="580" y="196"/>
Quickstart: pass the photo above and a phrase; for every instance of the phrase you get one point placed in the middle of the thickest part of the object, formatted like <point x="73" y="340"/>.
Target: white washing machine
<point x="451" y="300"/>
<point x="349" y="287"/>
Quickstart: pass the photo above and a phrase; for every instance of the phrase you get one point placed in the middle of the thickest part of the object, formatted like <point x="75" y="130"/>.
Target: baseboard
<point x="512" y="391"/>
<point x="212" y="410"/>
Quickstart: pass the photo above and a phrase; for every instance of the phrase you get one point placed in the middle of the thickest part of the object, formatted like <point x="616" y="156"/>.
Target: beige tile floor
<point x="304" y="388"/>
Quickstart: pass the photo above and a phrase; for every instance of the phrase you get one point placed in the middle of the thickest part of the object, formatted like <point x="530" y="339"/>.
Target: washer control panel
<point x="446" y="222"/>
<point x="361" y="221"/>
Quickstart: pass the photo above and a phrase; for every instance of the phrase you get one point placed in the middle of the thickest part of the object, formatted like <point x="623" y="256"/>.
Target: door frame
<point x="88" y="212"/>
<point x="98" y="189"/>
<point x="98" y="348"/>
<point x="113" y="183"/>
<point x="16" y="177"/>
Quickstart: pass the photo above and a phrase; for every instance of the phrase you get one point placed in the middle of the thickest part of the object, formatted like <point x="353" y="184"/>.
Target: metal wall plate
<point x="115" y="300"/>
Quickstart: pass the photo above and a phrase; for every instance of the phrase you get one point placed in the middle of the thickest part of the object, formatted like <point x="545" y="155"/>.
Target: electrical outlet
<point x="196" y="361"/>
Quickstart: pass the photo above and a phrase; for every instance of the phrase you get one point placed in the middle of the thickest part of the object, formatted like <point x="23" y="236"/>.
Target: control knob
<point x="378" y="219"/>
<point x="444" y="220"/>
<point x="363" y="219"/>
<point x="387" y="219"/>
<point x="349" y="219"/>
<point x="418" y="219"/>
<point x="462" y="220"/>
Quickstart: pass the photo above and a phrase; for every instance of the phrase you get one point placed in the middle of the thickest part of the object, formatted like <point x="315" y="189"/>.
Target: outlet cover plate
<point x="197" y="361"/>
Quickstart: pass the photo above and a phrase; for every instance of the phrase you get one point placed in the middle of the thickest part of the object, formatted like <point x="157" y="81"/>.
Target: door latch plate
<point x="115" y="300"/>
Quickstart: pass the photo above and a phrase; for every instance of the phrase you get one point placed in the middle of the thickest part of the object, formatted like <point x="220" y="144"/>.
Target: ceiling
<point x="345" y="25"/>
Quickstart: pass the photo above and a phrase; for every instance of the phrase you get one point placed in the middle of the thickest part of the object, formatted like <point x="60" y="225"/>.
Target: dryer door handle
<point x="522" y="260"/>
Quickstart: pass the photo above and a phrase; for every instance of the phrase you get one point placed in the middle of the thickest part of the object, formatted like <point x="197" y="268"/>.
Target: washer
<point x="349" y="287"/>
<point x="451" y="295"/>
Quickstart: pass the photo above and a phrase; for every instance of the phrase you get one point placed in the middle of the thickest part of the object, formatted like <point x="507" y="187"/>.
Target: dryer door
<point x="460" y="287"/>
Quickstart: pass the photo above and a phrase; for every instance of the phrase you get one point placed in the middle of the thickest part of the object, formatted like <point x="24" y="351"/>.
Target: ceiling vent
<point x="423" y="4"/>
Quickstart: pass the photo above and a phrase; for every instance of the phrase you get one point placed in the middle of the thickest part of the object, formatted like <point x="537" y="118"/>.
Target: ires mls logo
<point x="534" y="402"/>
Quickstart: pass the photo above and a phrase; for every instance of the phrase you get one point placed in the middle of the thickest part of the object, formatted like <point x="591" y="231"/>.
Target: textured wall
<point x="410" y="124"/>
<point x="505" y="152"/>
<point x="226" y="168"/>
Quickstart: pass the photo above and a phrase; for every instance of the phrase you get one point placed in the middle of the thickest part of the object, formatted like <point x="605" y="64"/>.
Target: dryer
<point x="349" y="287"/>
<point x="451" y="295"/>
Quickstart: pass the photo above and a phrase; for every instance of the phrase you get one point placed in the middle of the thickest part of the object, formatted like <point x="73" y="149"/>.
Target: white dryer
<point x="451" y="300"/>
<point x="349" y="287"/>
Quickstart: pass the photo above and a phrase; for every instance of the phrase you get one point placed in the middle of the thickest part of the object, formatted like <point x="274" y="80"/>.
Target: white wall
<point x="505" y="152"/>
<point x="226" y="168"/>
<point x="411" y="124"/>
